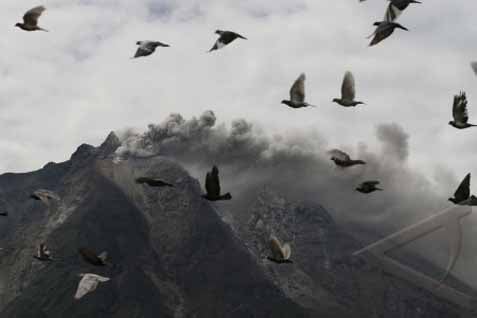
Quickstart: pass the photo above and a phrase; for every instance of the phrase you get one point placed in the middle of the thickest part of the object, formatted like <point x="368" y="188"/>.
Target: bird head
<point x="335" y="100"/>
<point x="18" y="25"/>
<point x="451" y="123"/>
<point x="218" y="32"/>
<point x="286" y="102"/>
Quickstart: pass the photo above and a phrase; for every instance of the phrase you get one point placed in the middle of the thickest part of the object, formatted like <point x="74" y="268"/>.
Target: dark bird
<point x="30" y="19"/>
<point x="91" y="257"/>
<point x="88" y="283"/>
<point x="348" y="92"/>
<point x="225" y="38"/>
<point x="368" y="187"/>
<point x="280" y="253"/>
<point x="460" y="113"/>
<point x="212" y="187"/>
<point x="297" y="94"/>
<point x="384" y="29"/>
<point x="342" y="159"/>
<point x="3" y="213"/>
<point x="462" y="194"/>
<point x="43" y="254"/>
<point x="153" y="182"/>
<point x="396" y="7"/>
<point x="147" y="48"/>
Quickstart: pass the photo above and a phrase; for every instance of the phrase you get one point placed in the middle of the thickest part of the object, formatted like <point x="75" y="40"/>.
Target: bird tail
<point x="44" y="30"/>
<point x="379" y="189"/>
<point x="309" y="105"/>
<point x="360" y="162"/>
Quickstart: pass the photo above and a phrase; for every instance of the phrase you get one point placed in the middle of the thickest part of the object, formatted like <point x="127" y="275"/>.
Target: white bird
<point x="280" y="253"/>
<point x="88" y="283"/>
<point x="297" y="94"/>
<point x="147" y="48"/>
<point x="348" y="92"/>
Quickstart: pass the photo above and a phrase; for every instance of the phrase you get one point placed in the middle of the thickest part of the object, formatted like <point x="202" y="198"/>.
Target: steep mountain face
<point x="172" y="255"/>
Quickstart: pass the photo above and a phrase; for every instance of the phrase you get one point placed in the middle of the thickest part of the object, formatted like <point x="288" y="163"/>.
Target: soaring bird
<point x="384" y="29"/>
<point x="462" y="194"/>
<point x="43" y="254"/>
<point x="460" y="113"/>
<point x="44" y="196"/>
<point x="88" y="283"/>
<point x="297" y="94"/>
<point x="3" y="213"/>
<point x="91" y="257"/>
<point x="30" y="19"/>
<point x="396" y="7"/>
<point x="342" y="159"/>
<point x="147" y="48"/>
<point x="225" y="37"/>
<point x="153" y="182"/>
<point x="368" y="187"/>
<point x="212" y="187"/>
<point x="348" y="92"/>
<point x="280" y="253"/>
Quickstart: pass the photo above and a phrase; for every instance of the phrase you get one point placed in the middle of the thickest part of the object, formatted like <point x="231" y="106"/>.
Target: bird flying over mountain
<point x="225" y="38"/>
<point x="147" y="48"/>
<point x="348" y="92"/>
<point x="43" y="254"/>
<point x="91" y="257"/>
<point x="383" y="30"/>
<point x="297" y="94"/>
<point x="152" y="182"/>
<point x="88" y="283"/>
<point x="342" y="159"/>
<point x="30" y="19"/>
<point x="368" y="187"/>
<point x="280" y="253"/>
<point x="462" y="194"/>
<point x="212" y="186"/>
<point x="460" y="113"/>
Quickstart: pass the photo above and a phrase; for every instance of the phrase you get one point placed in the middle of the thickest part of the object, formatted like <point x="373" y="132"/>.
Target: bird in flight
<point x="462" y="194"/>
<point x="43" y="254"/>
<point x="3" y="213"/>
<point x="147" y="48"/>
<point x="460" y="113"/>
<point x="225" y="38"/>
<point x="383" y="30"/>
<point x="348" y="92"/>
<point x="30" y="19"/>
<point x="88" y="283"/>
<point x="153" y="182"/>
<point x="280" y="253"/>
<point x="91" y="257"/>
<point x="368" y="187"/>
<point x="212" y="187"/>
<point x="297" y="94"/>
<point x="396" y="7"/>
<point x="342" y="159"/>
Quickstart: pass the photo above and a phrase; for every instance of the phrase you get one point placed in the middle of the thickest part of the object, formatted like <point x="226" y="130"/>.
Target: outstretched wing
<point x="297" y="91"/>
<point x="463" y="191"/>
<point x="31" y="16"/>
<point x="276" y="248"/>
<point x="459" y="108"/>
<point x="341" y="155"/>
<point x="286" y="251"/>
<point x="212" y="182"/>
<point x="348" y="91"/>
<point x="86" y="285"/>
<point x="392" y="12"/>
<point x="371" y="183"/>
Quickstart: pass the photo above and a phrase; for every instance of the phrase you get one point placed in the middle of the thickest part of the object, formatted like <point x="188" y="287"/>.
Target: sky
<point x="77" y="83"/>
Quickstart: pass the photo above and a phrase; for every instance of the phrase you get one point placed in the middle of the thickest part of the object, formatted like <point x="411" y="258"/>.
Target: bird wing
<point x="276" y="248"/>
<point x="392" y="12"/>
<point x="143" y="50"/>
<point x="459" y="108"/>
<point x="103" y="256"/>
<point x="297" y="91"/>
<point x="348" y="91"/>
<point x="383" y="31"/>
<point x="31" y="16"/>
<point x="87" y="284"/>
<point x="463" y="191"/>
<point x="341" y="155"/>
<point x="212" y="183"/>
<point x="286" y="251"/>
<point x="474" y="66"/>
<point x="371" y="183"/>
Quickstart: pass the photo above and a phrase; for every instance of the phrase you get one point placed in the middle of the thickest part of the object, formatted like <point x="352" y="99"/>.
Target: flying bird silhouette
<point x="348" y="92"/>
<point x="368" y="187"/>
<point x="462" y="194"/>
<point x="212" y="186"/>
<point x="280" y="253"/>
<point x="396" y="7"/>
<point x="30" y="19"/>
<point x="460" y="113"/>
<point x="342" y="159"/>
<point x="297" y="94"/>
<point x="147" y="48"/>
<point x="225" y="38"/>
<point x="88" y="283"/>
<point x="384" y="29"/>
<point x="91" y="257"/>
<point x="43" y="254"/>
<point x="153" y="182"/>
<point x="3" y="213"/>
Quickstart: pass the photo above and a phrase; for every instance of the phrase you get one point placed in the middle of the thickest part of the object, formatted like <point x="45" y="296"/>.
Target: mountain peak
<point x="110" y="145"/>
